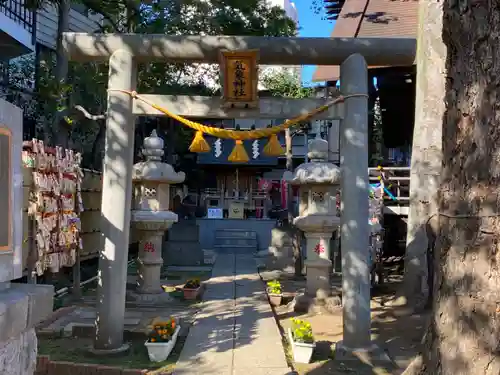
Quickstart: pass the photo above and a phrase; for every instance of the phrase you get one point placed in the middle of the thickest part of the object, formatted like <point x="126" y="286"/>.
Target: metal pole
<point x="354" y="223"/>
<point x="116" y="205"/>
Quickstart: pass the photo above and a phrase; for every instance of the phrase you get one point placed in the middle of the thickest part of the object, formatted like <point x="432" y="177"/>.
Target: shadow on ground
<point x="394" y="330"/>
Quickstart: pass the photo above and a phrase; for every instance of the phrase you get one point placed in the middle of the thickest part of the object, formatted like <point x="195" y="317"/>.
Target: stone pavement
<point x="234" y="332"/>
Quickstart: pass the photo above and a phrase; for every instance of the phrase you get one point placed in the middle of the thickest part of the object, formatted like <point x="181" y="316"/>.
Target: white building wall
<point x="291" y="11"/>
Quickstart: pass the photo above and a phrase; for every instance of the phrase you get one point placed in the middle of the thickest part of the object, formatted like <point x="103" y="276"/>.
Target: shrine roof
<point x="371" y="18"/>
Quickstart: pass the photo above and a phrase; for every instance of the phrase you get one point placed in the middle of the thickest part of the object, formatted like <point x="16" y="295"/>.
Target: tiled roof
<point x="372" y="18"/>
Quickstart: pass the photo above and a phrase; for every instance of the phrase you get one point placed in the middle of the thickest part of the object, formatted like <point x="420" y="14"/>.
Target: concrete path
<point x="234" y="332"/>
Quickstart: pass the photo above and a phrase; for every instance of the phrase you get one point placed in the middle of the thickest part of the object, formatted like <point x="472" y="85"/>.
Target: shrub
<point x="274" y="287"/>
<point x="302" y="331"/>
<point x="162" y="331"/>
<point x="192" y="284"/>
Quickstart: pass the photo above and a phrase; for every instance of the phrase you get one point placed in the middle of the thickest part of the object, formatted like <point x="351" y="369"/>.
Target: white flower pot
<point x="159" y="351"/>
<point x="302" y="352"/>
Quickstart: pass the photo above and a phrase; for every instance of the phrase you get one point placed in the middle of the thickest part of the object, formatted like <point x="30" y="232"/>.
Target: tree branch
<point x="88" y="115"/>
<point x="95" y="6"/>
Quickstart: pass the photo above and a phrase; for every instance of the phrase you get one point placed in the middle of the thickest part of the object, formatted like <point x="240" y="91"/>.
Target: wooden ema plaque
<point x="6" y="188"/>
<point x="239" y="77"/>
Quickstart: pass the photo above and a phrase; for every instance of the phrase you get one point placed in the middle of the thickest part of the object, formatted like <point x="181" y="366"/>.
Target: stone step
<point x="229" y="241"/>
<point x="235" y="233"/>
<point x="232" y="249"/>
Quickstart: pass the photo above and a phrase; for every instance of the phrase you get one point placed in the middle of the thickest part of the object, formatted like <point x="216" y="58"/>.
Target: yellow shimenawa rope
<point x="272" y="148"/>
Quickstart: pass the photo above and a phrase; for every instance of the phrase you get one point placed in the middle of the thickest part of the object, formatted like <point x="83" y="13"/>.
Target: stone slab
<point x="86" y="314"/>
<point x="131" y="321"/>
<point x="371" y="354"/>
<point x="254" y="330"/>
<point x="259" y="353"/>
<point x="235" y="333"/>
<point x="262" y="371"/>
<point x="68" y="329"/>
<point x="189" y="268"/>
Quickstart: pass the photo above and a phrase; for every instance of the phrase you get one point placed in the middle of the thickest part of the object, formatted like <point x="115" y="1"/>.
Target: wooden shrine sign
<point x="239" y="78"/>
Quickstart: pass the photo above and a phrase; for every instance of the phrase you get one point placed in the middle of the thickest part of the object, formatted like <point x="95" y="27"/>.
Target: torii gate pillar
<point x="354" y="218"/>
<point x="116" y="204"/>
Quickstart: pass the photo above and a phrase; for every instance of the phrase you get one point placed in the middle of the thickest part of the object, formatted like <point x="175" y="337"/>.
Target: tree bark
<point x="426" y="150"/>
<point x="464" y="335"/>
<point x="98" y="147"/>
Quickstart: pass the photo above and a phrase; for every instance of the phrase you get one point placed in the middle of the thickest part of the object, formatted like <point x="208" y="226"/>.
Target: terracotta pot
<point x="275" y="299"/>
<point x="191" y="294"/>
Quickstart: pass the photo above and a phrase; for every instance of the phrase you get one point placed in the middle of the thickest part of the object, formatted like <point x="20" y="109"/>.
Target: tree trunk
<point x="464" y="335"/>
<point x="98" y="147"/>
<point x="63" y="129"/>
<point x="426" y="150"/>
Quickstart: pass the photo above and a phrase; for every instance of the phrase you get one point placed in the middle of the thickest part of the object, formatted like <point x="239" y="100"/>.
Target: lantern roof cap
<point x="319" y="171"/>
<point x="153" y="169"/>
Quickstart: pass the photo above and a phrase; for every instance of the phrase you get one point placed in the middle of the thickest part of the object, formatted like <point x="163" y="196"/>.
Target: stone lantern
<point x="151" y="216"/>
<point x="318" y="181"/>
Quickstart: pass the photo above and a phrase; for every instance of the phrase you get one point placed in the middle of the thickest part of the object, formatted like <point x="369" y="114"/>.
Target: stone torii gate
<point x="124" y="51"/>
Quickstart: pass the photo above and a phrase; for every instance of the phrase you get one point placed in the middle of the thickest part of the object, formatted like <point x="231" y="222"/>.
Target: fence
<point x="17" y="11"/>
<point x="399" y="188"/>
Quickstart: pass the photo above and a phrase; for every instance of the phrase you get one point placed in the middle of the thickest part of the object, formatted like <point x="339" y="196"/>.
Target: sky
<point x="311" y="25"/>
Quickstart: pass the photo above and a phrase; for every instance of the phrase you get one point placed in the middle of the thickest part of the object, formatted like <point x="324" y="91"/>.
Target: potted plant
<point x="192" y="289"/>
<point x="302" y="340"/>
<point x="274" y="292"/>
<point x="161" y="339"/>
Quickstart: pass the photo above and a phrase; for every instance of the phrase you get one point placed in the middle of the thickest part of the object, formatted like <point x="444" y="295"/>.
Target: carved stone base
<point x="303" y="303"/>
<point x="18" y="354"/>
<point x="153" y="299"/>
<point x="23" y="306"/>
<point x="318" y="278"/>
<point x="371" y="354"/>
